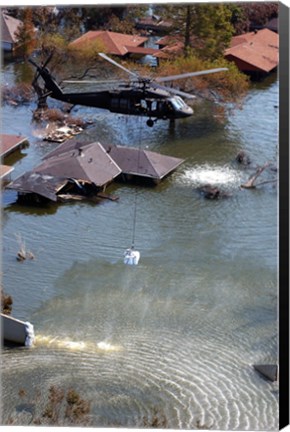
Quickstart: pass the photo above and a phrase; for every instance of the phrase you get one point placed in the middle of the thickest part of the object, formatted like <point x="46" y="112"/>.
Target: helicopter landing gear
<point x="151" y="122"/>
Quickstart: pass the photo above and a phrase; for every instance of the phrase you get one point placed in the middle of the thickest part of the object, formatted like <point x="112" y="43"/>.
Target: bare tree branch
<point x="250" y="183"/>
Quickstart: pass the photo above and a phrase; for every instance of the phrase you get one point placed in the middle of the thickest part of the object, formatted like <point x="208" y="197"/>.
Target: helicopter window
<point x="123" y="103"/>
<point x="115" y="103"/>
<point x="154" y="106"/>
<point x="177" y="102"/>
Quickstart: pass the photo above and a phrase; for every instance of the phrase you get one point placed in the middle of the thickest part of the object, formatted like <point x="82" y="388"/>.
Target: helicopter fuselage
<point x="141" y="97"/>
<point x="124" y="99"/>
<point x="152" y="103"/>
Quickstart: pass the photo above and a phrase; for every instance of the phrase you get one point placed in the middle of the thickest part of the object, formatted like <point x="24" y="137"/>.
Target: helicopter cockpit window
<point x="177" y="102"/>
<point x="154" y="106"/>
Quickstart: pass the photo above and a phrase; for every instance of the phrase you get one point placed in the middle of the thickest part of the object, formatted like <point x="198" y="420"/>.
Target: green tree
<point x="206" y="27"/>
<point x="211" y="24"/>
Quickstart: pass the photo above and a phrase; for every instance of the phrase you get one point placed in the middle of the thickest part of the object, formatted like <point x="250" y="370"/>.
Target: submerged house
<point x="119" y="44"/>
<point x="256" y="52"/>
<point x="9" y="27"/>
<point x="142" y="164"/>
<point x="76" y="170"/>
<point x="80" y="170"/>
<point x="8" y="145"/>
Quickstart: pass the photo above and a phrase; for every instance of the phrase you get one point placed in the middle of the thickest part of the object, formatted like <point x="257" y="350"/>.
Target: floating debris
<point x="16" y="331"/>
<point x="212" y="192"/>
<point x="63" y="133"/>
<point x="269" y="371"/>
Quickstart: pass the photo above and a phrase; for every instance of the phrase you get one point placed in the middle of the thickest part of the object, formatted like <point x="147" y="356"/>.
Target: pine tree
<point x="211" y="23"/>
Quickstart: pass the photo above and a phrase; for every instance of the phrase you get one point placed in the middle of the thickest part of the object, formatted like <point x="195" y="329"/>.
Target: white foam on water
<point x="72" y="345"/>
<point x="106" y="346"/>
<point x="213" y="175"/>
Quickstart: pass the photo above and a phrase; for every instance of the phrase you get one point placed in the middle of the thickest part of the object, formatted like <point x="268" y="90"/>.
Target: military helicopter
<point x="140" y="96"/>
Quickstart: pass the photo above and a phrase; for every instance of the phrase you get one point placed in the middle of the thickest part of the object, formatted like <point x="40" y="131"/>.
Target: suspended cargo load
<point x="131" y="257"/>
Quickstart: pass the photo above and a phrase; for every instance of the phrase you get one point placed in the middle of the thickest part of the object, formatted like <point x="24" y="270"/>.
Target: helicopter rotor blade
<point x="92" y="81"/>
<point x="173" y="91"/>
<point x="104" y="56"/>
<point x="189" y="74"/>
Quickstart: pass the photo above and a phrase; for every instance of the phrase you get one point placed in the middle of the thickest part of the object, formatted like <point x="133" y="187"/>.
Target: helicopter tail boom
<point x="50" y="83"/>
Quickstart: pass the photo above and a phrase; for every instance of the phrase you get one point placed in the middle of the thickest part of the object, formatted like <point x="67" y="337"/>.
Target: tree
<point x="223" y="87"/>
<point x="211" y="24"/>
<point x="206" y="28"/>
<point x="246" y="16"/>
<point x="25" y="35"/>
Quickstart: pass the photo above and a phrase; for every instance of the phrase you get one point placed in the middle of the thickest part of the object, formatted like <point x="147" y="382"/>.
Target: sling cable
<point x="132" y="256"/>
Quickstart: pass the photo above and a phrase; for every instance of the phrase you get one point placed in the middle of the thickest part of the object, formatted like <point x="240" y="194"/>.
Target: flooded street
<point x="181" y="331"/>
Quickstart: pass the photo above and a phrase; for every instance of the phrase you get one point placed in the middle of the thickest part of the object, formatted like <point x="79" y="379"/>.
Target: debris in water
<point x="212" y="192"/>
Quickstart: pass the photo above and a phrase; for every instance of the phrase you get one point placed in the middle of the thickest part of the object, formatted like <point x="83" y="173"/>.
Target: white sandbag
<point x="131" y="257"/>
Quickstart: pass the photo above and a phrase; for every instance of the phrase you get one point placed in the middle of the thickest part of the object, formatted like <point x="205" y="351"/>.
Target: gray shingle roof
<point x="88" y="162"/>
<point x="143" y="163"/>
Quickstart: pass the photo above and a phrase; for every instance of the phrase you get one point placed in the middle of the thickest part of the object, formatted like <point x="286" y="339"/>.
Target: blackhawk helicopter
<point x="141" y="96"/>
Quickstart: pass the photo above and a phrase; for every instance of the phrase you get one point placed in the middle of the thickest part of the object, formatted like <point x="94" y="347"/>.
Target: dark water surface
<point x="181" y="331"/>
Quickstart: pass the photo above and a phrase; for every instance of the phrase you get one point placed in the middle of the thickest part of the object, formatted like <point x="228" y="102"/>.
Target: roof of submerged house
<point x="82" y="162"/>
<point x="9" y="27"/>
<point x="38" y="183"/>
<point x="9" y="142"/>
<point x="143" y="163"/>
<point x="110" y="42"/>
<point x="260" y="49"/>
<point x="92" y="163"/>
<point x="130" y="160"/>
<point x="88" y="162"/>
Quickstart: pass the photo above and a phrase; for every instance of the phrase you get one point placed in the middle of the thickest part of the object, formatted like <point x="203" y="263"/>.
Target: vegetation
<point x="229" y="86"/>
<point x="62" y="408"/>
<point x="25" y="34"/>
<point x="18" y="94"/>
<point x="6" y="302"/>
<point x="206" y="30"/>
<point x="156" y="420"/>
<point x="248" y="16"/>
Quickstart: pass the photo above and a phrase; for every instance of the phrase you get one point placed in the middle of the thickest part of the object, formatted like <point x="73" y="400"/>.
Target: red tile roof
<point x="10" y="143"/>
<point x="111" y="42"/>
<point x="259" y="50"/>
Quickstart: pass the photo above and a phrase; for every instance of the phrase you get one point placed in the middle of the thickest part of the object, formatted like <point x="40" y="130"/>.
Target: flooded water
<point x="180" y="332"/>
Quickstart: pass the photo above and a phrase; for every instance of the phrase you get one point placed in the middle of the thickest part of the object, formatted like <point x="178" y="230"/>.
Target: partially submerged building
<point x="81" y="170"/>
<point x="256" y="52"/>
<point x="9" y="144"/>
<point x="75" y="170"/>
<point x="119" y="44"/>
<point x="9" y="28"/>
<point x="142" y="164"/>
